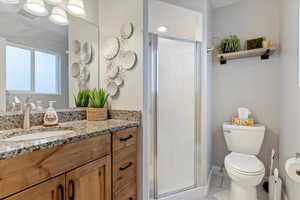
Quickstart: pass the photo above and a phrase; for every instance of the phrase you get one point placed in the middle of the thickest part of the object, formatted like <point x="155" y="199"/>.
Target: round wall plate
<point x="112" y="88"/>
<point x="111" y="48"/>
<point x="119" y="81"/>
<point x="126" y="31"/>
<point x="87" y="53"/>
<point x="128" y="59"/>
<point x="75" y="70"/>
<point x="113" y="71"/>
<point x="76" y="47"/>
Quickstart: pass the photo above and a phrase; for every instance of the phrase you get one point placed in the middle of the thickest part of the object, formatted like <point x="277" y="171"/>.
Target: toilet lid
<point x="247" y="164"/>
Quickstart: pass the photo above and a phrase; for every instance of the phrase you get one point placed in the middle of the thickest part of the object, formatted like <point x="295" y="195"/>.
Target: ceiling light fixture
<point x="54" y="2"/>
<point x="76" y="7"/>
<point x="10" y="1"/>
<point x="36" y="7"/>
<point x="59" y="16"/>
<point x="162" y="29"/>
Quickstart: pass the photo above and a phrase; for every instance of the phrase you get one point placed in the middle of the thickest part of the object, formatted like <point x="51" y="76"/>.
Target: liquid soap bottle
<point x="50" y="117"/>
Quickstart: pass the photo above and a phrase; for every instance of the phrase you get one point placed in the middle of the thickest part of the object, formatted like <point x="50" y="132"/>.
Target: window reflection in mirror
<point x="36" y="62"/>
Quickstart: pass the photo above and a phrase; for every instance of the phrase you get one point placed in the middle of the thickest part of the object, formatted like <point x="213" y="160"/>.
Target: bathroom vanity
<point x="92" y="160"/>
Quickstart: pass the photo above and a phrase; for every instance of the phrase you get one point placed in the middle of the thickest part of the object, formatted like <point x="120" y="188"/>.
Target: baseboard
<point x="193" y="194"/>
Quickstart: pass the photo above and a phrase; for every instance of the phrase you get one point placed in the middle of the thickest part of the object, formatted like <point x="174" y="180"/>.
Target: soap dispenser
<point x="51" y="118"/>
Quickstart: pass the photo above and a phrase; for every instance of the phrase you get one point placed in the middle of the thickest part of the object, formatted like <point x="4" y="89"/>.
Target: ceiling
<point x="197" y="5"/>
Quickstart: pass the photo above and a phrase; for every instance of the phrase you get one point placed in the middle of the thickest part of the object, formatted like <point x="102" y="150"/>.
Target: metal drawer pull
<point x="71" y="195"/>
<point x="60" y="192"/>
<point x="127" y="166"/>
<point x="125" y="139"/>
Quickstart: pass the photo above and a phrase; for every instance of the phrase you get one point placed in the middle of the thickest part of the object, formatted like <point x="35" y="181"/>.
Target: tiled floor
<point x="219" y="189"/>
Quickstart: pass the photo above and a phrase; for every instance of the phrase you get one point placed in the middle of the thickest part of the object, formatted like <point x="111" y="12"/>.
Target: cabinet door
<point x="92" y="181"/>
<point x="53" y="189"/>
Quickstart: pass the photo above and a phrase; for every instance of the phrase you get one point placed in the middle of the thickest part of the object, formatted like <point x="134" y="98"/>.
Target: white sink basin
<point x="38" y="135"/>
<point x="292" y="167"/>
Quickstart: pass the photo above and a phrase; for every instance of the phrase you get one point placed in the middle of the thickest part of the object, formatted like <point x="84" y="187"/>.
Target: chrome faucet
<point x="27" y="108"/>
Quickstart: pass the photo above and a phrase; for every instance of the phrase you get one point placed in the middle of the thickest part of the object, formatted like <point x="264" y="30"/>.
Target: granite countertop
<point x="75" y="131"/>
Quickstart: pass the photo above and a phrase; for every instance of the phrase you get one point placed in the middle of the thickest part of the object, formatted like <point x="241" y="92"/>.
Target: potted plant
<point x="230" y="44"/>
<point x="82" y="98"/>
<point x="97" y="110"/>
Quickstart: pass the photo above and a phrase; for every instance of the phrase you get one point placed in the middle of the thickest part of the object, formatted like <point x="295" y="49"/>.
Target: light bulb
<point x="162" y="29"/>
<point x="36" y="7"/>
<point x="76" y="7"/>
<point x="54" y="2"/>
<point x="59" y="16"/>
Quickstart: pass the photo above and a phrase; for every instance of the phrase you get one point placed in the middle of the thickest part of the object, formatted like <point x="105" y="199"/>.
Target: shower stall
<point x="175" y="140"/>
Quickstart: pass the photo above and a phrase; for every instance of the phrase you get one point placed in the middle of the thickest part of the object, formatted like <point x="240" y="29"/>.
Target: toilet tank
<point x="244" y="139"/>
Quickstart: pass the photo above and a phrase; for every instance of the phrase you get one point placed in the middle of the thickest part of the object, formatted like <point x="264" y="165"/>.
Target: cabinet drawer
<point x="124" y="138"/>
<point x="124" y="166"/>
<point x="127" y="191"/>
<point x="29" y="169"/>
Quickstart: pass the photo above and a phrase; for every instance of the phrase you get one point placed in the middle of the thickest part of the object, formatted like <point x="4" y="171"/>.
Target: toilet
<point x="245" y="170"/>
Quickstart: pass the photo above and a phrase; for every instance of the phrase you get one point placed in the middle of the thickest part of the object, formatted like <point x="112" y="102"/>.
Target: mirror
<point x="42" y="61"/>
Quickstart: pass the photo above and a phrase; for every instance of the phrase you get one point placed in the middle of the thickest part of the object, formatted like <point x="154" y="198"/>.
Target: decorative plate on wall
<point x="75" y="70"/>
<point x="76" y="47"/>
<point x="87" y="53"/>
<point x="126" y="31"/>
<point x="119" y="81"/>
<point x="111" y="48"/>
<point x="112" y="88"/>
<point x="128" y="59"/>
<point x="112" y="71"/>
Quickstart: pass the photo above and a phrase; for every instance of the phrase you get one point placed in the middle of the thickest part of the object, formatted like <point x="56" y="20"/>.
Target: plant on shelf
<point x="230" y="44"/>
<point x="82" y="98"/>
<point x="97" y="110"/>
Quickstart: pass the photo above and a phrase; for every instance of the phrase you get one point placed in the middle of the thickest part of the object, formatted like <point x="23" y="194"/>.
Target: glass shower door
<point x="175" y="116"/>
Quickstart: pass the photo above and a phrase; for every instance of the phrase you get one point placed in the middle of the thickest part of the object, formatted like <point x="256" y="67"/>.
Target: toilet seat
<point x="243" y="164"/>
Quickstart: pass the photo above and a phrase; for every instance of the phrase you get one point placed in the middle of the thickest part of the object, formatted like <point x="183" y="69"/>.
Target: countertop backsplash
<point x="15" y="120"/>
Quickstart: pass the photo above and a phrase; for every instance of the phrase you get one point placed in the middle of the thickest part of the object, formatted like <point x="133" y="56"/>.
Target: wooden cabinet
<point x="82" y="170"/>
<point x="124" y="164"/>
<point x="92" y="181"/>
<point x="21" y="172"/>
<point x="54" y="189"/>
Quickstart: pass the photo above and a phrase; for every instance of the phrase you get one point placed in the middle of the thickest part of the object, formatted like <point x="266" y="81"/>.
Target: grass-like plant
<point x="98" y="98"/>
<point x="82" y="98"/>
<point x="230" y="44"/>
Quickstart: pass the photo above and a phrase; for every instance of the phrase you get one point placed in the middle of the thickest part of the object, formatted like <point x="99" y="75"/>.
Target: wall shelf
<point x="264" y="53"/>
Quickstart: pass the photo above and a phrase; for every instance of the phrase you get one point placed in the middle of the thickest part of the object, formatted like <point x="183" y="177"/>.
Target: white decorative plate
<point x="126" y="31"/>
<point x="87" y="53"/>
<point x="75" y="70"/>
<point x="76" y="47"/>
<point x="113" y="71"/>
<point x="119" y="81"/>
<point x="112" y="88"/>
<point x="128" y="59"/>
<point x="111" y="48"/>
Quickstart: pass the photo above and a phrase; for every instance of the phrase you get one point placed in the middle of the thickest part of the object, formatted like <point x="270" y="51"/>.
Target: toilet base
<point x="238" y="192"/>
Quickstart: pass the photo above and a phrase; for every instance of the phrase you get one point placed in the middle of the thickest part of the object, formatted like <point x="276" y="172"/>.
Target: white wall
<point x="114" y="13"/>
<point x="164" y="14"/>
<point x="290" y="91"/>
<point x="250" y="82"/>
